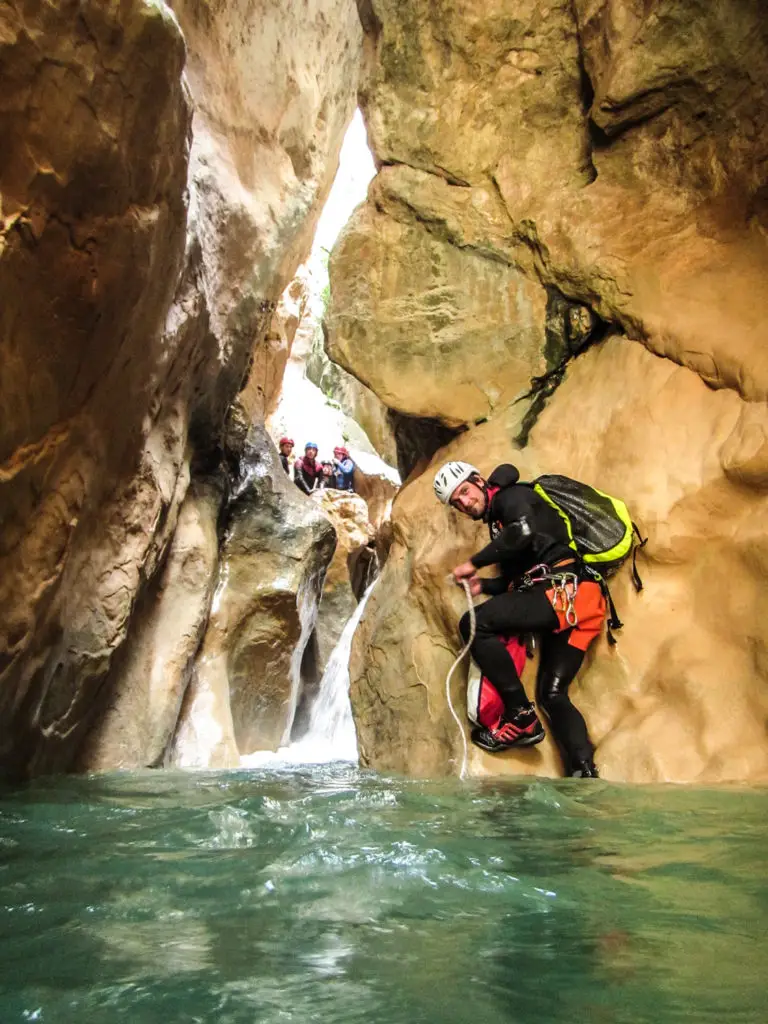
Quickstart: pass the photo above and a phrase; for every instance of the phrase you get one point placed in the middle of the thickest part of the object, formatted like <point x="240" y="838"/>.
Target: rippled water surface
<point x="338" y="896"/>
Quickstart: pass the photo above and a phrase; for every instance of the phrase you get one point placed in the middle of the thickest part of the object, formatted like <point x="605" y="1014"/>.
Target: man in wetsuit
<point x="307" y="470"/>
<point x="543" y="588"/>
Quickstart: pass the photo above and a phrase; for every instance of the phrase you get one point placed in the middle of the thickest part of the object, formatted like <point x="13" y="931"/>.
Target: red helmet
<point x="287" y="440"/>
<point x="341" y="451"/>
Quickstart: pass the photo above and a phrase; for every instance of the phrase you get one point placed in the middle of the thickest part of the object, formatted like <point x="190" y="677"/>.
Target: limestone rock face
<point x="682" y="696"/>
<point x="354" y="398"/>
<point x="274" y="89"/>
<point x="349" y="515"/>
<point x="273" y="561"/>
<point x="148" y="681"/>
<point x="611" y="153"/>
<point x="261" y="392"/>
<point x="135" y="281"/>
<point x="611" y="158"/>
<point x="434" y="329"/>
<point x="94" y="122"/>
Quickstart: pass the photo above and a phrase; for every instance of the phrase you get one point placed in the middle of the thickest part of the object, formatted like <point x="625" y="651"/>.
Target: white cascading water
<point x="331" y="732"/>
<point x="307" y="600"/>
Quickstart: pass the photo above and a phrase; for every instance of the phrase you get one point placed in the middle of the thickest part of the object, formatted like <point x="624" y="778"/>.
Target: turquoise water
<point x="334" y="895"/>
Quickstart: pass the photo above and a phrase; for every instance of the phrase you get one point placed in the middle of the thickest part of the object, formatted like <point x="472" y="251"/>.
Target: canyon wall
<point x="150" y="218"/>
<point x="563" y="257"/>
<point x="562" y="263"/>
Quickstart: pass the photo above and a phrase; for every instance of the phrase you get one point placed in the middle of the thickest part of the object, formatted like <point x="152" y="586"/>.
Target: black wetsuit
<point x="526" y="531"/>
<point x="306" y="474"/>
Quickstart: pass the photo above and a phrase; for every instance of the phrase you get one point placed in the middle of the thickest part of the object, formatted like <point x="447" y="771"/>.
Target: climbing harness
<point x="565" y="586"/>
<point x="461" y="655"/>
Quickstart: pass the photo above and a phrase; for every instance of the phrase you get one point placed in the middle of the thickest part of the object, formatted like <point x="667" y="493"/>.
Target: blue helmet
<point x="310" y="444"/>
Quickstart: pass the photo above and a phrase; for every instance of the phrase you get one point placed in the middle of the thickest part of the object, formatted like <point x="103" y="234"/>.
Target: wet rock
<point x="349" y="515"/>
<point x="148" y="681"/>
<point x="273" y="560"/>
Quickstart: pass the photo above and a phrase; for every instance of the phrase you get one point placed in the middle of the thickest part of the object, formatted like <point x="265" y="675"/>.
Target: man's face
<point x="286" y="449"/>
<point x="470" y="499"/>
<point x="311" y="453"/>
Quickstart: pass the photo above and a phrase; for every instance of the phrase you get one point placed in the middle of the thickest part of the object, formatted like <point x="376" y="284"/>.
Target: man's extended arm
<point x="511" y="541"/>
<point x="300" y="479"/>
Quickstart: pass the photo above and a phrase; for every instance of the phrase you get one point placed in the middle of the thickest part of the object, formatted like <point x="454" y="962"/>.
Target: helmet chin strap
<point x="487" y="500"/>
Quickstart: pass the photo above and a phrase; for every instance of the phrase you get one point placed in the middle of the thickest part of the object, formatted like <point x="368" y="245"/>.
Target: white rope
<point x="462" y="654"/>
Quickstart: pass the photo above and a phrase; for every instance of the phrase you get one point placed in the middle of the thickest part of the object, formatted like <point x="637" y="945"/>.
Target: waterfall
<point x="331" y="733"/>
<point x="307" y="600"/>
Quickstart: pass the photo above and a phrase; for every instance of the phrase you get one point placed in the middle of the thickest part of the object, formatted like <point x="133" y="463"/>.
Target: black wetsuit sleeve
<point x="300" y="479"/>
<point x="516" y="536"/>
<point x="495" y="586"/>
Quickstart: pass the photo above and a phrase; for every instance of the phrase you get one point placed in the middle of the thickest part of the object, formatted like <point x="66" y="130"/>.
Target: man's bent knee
<point x="553" y="692"/>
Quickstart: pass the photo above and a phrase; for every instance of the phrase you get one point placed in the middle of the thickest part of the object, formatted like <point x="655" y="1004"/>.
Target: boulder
<point x="149" y="679"/>
<point x="273" y="560"/>
<point x="349" y="515"/>
<point x="609" y="151"/>
<point x="405" y="302"/>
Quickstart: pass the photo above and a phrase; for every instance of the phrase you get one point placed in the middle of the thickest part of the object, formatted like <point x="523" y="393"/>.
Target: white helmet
<point x="449" y="476"/>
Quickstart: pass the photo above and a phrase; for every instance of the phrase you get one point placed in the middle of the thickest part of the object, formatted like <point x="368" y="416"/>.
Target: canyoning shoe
<point x="522" y="730"/>
<point x="584" y="770"/>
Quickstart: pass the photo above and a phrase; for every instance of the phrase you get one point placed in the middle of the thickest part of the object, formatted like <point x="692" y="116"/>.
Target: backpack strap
<point x="490" y="493"/>
<point x="613" y="621"/>
<point x="642" y="542"/>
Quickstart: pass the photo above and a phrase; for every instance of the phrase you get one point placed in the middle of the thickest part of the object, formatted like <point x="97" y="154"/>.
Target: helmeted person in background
<point x="306" y="471"/>
<point x="327" y="476"/>
<point x="530" y="545"/>
<point x="286" y="453"/>
<point x="345" y="469"/>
